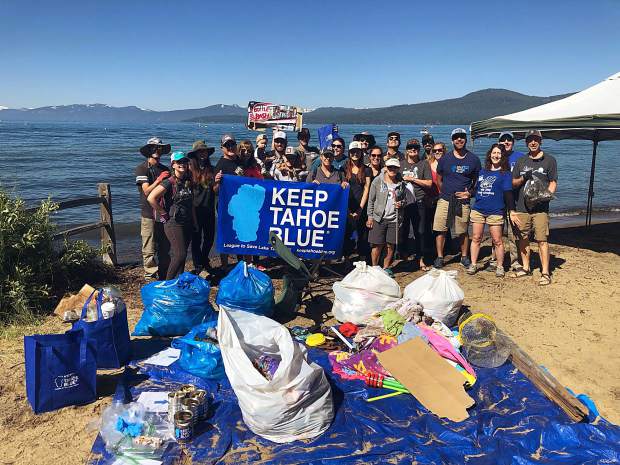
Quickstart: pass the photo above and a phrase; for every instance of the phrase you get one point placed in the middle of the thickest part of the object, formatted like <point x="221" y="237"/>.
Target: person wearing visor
<point x="339" y="155"/>
<point x="385" y="198"/>
<point x="149" y="175"/>
<point x="358" y="176"/>
<point x="427" y="142"/>
<point x="417" y="174"/>
<point x="393" y="143"/>
<point x="305" y="151"/>
<point x="173" y="201"/>
<point x="457" y="174"/>
<point x="542" y="165"/>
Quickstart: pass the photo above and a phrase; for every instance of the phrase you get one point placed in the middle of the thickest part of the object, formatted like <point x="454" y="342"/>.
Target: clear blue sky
<point x="183" y="54"/>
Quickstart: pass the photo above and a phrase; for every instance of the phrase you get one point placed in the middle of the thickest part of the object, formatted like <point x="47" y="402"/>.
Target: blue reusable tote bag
<point x="110" y="335"/>
<point x="61" y="370"/>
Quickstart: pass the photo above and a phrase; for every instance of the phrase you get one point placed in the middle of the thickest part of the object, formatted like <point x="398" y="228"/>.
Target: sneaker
<point x="466" y="262"/>
<point x="389" y="272"/>
<point x="438" y="262"/>
<point x="499" y="272"/>
<point x="471" y="269"/>
<point x="491" y="267"/>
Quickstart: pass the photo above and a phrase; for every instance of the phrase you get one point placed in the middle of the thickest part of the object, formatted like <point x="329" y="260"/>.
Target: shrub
<point x="34" y="271"/>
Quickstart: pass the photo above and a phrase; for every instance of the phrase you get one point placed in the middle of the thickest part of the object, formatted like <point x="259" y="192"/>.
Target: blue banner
<point x="309" y="218"/>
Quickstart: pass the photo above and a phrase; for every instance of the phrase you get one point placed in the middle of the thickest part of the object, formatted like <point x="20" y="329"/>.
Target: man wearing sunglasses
<point x="393" y="143"/>
<point x="304" y="150"/>
<point x="277" y="155"/>
<point x="339" y="155"/>
<point x="457" y="174"/>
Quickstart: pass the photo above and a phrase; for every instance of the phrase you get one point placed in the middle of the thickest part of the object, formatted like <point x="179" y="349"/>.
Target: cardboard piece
<point x="437" y="385"/>
<point x="74" y="301"/>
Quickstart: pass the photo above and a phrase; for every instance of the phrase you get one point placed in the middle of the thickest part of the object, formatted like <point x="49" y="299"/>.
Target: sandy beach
<point x="569" y="327"/>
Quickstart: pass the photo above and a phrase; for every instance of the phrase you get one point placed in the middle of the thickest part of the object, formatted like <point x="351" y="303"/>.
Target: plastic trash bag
<point x="246" y="288"/>
<point x="536" y="192"/>
<point x="364" y="291"/>
<point x="297" y="402"/>
<point x="439" y="294"/>
<point x="172" y="308"/>
<point x="201" y="358"/>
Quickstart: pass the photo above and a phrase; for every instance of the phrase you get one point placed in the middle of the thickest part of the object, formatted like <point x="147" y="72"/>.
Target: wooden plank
<point x="82" y="201"/>
<point x="108" y="238"/>
<point x="79" y="230"/>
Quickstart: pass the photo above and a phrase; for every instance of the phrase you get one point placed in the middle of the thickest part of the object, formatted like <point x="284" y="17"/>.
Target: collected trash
<point x="246" y="288"/>
<point x="363" y="292"/>
<point x="200" y="351"/>
<point x="536" y="191"/>
<point x="297" y="402"/>
<point x="438" y="293"/>
<point x="173" y="308"/>
<point x="484" y="344"/>
<point x="267" y="366"/>
<point x="398" y="312"/>
<point x="348" y="329"/>
<point x="104" y="321"/>
<point x="355" y="365"/>
<point x="69" y="307"/>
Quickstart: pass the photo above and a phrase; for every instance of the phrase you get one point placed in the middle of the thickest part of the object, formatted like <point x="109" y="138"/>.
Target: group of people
<point x="409" y="203"/>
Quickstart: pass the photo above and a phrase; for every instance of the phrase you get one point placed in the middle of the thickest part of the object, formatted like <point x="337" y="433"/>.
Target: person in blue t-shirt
<point x="457" y="173"/>
<point x="493" y="199"/>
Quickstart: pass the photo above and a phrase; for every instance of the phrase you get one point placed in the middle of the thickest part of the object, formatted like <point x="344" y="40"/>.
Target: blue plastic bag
<point x="246" y="288"/>
<point x="172" y="308"/>
<point x="109" y="335"/>
<point x="200" y="358"/>
<point x="61" y="370"/>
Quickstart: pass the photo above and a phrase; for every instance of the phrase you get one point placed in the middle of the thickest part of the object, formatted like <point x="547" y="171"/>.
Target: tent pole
<point x="591" y="189"/>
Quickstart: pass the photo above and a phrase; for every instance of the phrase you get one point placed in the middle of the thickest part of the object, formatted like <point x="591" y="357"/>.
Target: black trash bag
<point x="536" y="191"/>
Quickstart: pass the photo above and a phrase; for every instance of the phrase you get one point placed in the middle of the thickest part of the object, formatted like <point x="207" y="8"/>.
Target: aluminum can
<point x="183" y="426"/>
<point x="190" y="405"/>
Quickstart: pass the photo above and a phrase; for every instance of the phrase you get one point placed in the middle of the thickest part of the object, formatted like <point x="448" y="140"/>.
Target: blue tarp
<point x="511" y="423"/>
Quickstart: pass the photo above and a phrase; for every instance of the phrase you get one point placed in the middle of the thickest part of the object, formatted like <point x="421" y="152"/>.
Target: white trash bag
<point x="439" y="294"/>
<point x="297" y="402"/>
<point x="364" y="291"/>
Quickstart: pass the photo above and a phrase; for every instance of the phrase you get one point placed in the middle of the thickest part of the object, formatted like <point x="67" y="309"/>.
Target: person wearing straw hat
<point x="155" y="245"/>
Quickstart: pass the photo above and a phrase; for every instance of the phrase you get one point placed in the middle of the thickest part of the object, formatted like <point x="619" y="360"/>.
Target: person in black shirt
<point x="358" y="176"/>
<point x="305" y="151"/>
<point x="204" y="203"/>
<point x="228" y="164"/>
<point x="176" y="211"/>
<point x="149" y="175"/>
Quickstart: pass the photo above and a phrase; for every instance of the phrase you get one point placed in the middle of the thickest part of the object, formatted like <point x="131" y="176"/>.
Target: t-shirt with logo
<point x="178" y="199"/>
<point x="546" y="168"/>
<point x="490" y="190"/>
<point x="458" y="174"/>
<point x="418" y="170"/>
<point x="146" y="173"/>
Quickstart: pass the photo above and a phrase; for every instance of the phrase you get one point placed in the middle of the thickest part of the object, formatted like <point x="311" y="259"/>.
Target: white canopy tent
<point x="592" y="114"/>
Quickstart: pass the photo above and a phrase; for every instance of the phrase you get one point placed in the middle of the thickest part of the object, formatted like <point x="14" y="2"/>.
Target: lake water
<point x="67" y="160"/>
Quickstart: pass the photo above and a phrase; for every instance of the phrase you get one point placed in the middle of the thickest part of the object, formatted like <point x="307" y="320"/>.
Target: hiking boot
<point x="471" y="269"/>
<point x="499" y="272"/>
<point x="438" y="263"/>
<point x="466" y="262"/>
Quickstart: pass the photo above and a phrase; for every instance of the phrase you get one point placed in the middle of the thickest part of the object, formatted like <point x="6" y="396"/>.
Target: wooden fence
<point x="105" y="223"/>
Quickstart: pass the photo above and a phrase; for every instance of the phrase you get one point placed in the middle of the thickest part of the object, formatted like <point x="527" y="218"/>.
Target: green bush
<point x="34" y="270"/>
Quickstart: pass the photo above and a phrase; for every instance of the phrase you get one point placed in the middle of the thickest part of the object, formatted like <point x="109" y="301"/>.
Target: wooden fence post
<point x="108" y="238"/>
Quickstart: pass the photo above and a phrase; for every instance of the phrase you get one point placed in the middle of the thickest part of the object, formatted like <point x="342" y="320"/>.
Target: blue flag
<point x="327" y="134"/>
<point x="309" y="218"/>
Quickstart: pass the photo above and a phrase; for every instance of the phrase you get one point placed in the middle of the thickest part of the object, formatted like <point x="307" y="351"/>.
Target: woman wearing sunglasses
<point x="358" y="177"/>
<point x="247" y="161"/>
<point x="375" y="162"/>
<point x="173" y="201"/>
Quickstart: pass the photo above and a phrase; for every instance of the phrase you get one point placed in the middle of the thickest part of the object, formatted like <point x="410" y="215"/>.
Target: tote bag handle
<point x="99" y="302"/>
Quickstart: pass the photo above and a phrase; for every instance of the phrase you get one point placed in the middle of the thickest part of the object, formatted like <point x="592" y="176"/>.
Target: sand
<point x="570" y="327"/>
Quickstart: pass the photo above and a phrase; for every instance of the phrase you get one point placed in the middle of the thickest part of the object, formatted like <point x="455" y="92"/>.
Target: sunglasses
<point x="459" y="136"/>
<point x="182" y="161"/>
<point x="413" y="147"/>
<point x="392" y="168"/>
<point x="506" y="139"/>
<point x="375" y="155"/>
<point x="230" y="145"/>
<point x="279" y="141"/>
<point x="437" y="150"/>
<point x="393" y="138"/>
<point x="337" y="146"/>
<point x="355" y="153"/>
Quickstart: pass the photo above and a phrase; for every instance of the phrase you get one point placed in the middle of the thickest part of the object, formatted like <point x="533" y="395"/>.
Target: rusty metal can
<point x="187" y="388"/>
<point x="190" y="405"/>
<point x="200" y="395"/>
<point x="183" y="426"/>
<point x="174" y="404"/>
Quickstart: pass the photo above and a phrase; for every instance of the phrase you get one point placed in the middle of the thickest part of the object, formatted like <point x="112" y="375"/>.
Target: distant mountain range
<point x="463" y="110"/>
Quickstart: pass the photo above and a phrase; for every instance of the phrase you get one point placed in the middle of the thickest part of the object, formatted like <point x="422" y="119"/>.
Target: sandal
<point x="545" y="279"/>
<point x="520" y="272"/>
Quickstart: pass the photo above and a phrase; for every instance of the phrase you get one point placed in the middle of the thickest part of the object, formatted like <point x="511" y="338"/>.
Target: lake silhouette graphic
<point x="245" y="207"/>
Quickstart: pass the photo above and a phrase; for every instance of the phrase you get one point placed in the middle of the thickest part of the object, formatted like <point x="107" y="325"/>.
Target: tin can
<point x="200" y="396"/>
<point x="190" y="405"/>
<point x="183" y="426"/>
<point x="174" y="404"/>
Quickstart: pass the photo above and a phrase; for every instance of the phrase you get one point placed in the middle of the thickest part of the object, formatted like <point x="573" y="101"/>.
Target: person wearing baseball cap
<point x="385" y="198"/>
<point x="457" y="175"/>
<point x="173" y="201"/>
<point x="276" y="156"/>
<point x="340" y="158"/>
<point x="149" y="174"/>
<point x="536" y="163"/>
<point x="308" y="152"/>
<point x="393" y="143"/>
<point x="427" y="142"/>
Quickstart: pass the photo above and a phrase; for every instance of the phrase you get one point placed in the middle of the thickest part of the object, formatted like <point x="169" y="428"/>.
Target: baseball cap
<point x="226" y="138"/>
<point x="533" y="133"/>
<point x="393" y="162"/>
<point x="506" y="134"/>
<point x="176" y="156"/>
<point x="427" y="138"/>
<point x="458" y="131"/>
<point x="279" y="135"/>
<point x="355" y="145"/>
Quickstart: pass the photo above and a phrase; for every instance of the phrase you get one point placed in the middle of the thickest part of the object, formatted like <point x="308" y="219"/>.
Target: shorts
<point x="382" y="232"/>
<point x="440" y="223"/>
<point x="491" y="220"/>
<point x="539" y="222"/>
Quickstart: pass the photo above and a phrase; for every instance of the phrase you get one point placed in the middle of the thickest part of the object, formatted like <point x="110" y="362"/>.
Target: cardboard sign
<point x="427" y="376"/>
<point x="74" y="301"/>
<point x="262" y="115"/>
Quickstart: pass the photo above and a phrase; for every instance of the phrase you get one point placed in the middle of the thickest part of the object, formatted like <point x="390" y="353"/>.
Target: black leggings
<point x="419" y="217"/>
<point x="179" y="236"/>
<point x="202" y="237"/>
<point x="363" y="248"/>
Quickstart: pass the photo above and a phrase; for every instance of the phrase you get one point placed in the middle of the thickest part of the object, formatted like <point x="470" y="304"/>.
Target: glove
<point x="163" y="175"/>
<point x="527" y="175"/>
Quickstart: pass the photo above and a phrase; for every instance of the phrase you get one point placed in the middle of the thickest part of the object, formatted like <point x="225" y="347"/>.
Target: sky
<point x="166" y="55"/>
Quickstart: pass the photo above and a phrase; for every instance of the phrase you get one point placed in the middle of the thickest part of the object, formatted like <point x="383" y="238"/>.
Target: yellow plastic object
<point x="315" y="339"/>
